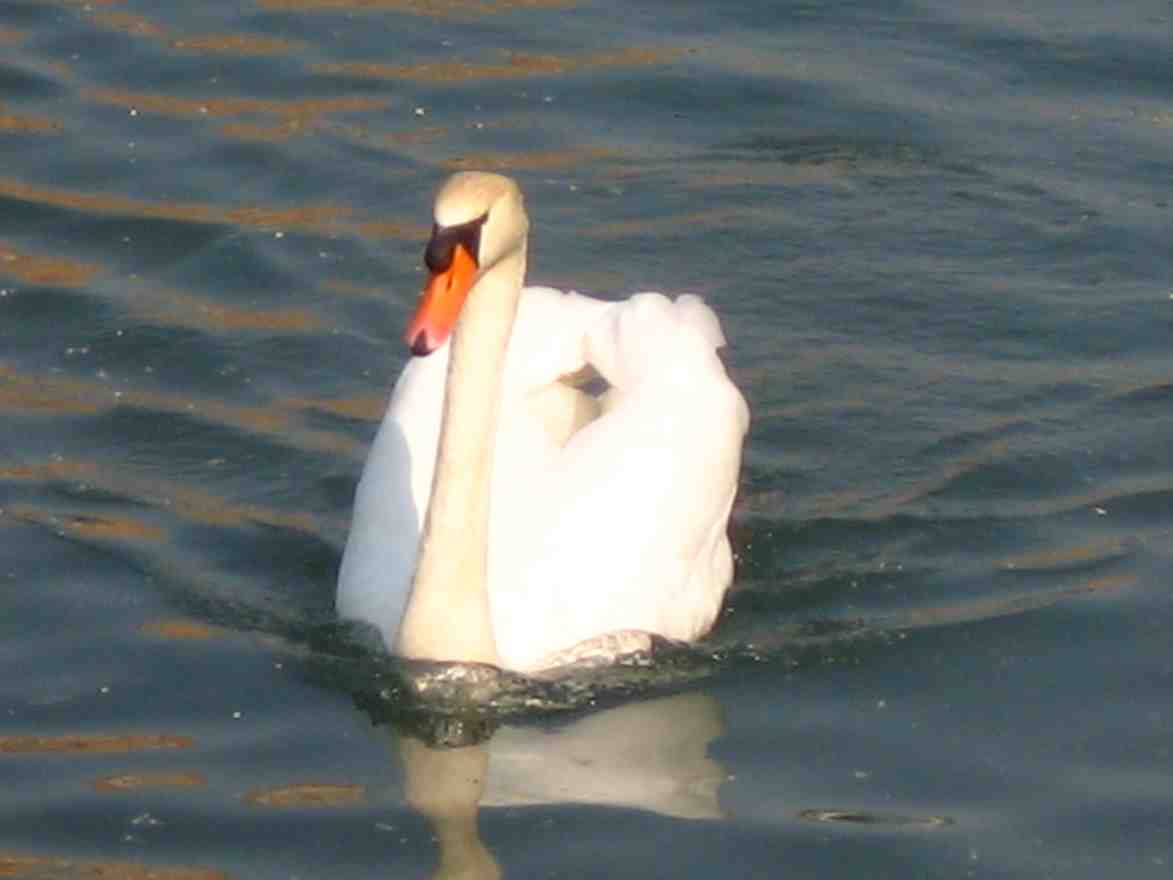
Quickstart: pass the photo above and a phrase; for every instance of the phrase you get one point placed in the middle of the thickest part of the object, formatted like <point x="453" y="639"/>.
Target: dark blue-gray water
<point x="939" y="237"/>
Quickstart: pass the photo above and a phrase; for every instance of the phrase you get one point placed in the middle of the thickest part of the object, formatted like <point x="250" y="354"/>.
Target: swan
<point x="505" y="514"/>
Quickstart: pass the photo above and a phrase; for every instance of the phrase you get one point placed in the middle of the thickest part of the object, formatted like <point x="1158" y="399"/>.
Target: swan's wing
<point x="627" y="527"/>
<point x="548" y="337"/>
<point x="539" y="412"/>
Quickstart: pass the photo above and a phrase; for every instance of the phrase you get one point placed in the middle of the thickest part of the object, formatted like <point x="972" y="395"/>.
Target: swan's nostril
<point x="420" y="346"/>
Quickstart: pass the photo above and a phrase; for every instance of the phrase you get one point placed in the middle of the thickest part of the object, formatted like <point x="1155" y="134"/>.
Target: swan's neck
<point x="448" y="613"/>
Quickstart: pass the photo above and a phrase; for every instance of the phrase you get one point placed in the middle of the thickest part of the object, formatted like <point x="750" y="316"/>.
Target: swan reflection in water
<point x="649" y="755"/>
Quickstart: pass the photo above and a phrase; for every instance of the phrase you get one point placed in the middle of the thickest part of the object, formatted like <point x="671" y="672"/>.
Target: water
<point x="938" y="237"/>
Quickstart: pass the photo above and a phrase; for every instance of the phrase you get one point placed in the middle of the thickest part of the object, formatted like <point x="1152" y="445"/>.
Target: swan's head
<point x="479" y="221"/>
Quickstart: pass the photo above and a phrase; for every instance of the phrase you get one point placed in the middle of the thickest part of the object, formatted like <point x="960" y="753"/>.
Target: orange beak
<point x="440" y="303"/>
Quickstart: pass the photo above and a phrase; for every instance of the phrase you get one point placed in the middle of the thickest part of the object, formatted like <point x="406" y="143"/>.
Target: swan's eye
<point x="438" y="254"/>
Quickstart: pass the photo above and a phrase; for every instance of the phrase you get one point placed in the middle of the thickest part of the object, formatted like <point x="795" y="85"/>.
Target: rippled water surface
<point x="938" y="235"/>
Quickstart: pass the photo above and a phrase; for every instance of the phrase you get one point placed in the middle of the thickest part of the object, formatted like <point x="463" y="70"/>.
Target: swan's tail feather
<point x="693" y="312"/>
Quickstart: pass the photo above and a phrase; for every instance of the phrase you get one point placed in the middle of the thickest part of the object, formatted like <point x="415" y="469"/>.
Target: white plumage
<point x="603" y="516"/>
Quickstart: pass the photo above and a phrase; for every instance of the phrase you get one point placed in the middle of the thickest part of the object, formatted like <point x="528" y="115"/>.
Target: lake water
<point x="939" y="237"/>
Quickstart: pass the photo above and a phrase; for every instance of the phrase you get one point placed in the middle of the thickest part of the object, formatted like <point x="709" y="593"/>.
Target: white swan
<point x="507" y="517"/>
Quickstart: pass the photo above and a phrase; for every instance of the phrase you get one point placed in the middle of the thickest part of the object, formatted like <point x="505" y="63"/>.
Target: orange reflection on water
<point x="181" y="630"/>
<point x="156" y="779"/>
<point x="248" y="131"/>
<point x="349" y="288"/>
<point x="433" y="8"/>
<point x="176" y="499"/>
<point x="990" y="607"/>
<point x="329" y="219"/>
<point x="34" y="394"/>
<point x="130" y="23"/>
<point x="381" y="229"/>
<point x="58" y="868"/>
<point x="515" y="66"/>
<point x="84" y="743"/>
<point x="24" y="393"/>
<point x="298" y="115"/>
<point x="424" y="135"/>
<point x="52" y="470"/>
<point x="169" y="105"/>
<point x="120" y="528"/>
<point x="105" y="203"/>
<point x="175" y="309"/>
<point x="713" y="218"/>
<point x="524" y="161"/>
<point x="34" y="269"/>
<point x="1068" y="557"/>
<point x="1112" y="583"/>
<point x="14" y="122"/>
<point x="367" y="409"/>
<point x="241" y="44"/>
<point x="312" y="794"/>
